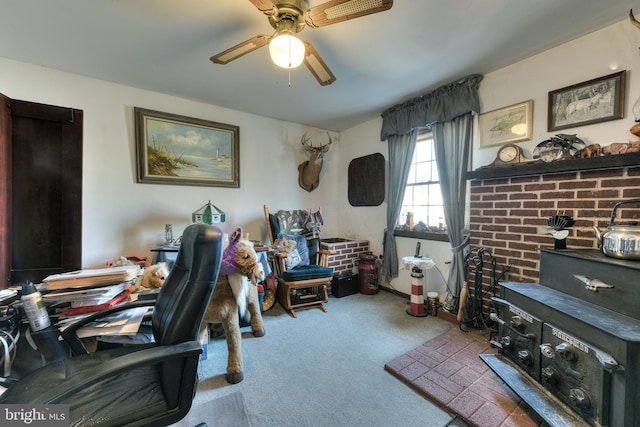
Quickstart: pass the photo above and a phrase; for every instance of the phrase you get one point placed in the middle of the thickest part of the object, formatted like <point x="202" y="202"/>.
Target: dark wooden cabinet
<point x="40" y="191"/>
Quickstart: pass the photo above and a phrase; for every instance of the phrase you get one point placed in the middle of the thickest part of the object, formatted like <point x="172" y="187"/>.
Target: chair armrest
<point x="323" y="256"/>
<point x="278" y="261"/>
<point x="69" y="333"/>
<point x="149" y="356"/>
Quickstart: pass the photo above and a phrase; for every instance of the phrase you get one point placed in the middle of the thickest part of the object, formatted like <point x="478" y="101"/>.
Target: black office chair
<point x="140" y="385"/>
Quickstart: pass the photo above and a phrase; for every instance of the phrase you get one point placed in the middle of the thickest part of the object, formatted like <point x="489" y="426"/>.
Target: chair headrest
<point x="185" y="295"/>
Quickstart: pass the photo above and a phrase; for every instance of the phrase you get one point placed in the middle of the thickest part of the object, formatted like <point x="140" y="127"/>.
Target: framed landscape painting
<point x="508" y="124"/>
<point x="179" y="150"/>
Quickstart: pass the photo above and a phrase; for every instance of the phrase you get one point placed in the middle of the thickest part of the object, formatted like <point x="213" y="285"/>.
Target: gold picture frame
<point x="506" y="125"/>
<point x="178" y="150"/>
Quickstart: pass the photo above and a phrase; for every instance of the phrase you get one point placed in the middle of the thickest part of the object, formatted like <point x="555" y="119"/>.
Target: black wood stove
<point x="569" y="346"/>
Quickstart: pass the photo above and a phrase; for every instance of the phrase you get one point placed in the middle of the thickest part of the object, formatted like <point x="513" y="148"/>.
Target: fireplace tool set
<point x="471" y="309"/>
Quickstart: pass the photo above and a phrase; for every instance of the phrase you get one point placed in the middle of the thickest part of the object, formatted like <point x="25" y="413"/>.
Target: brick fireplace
<point x="347" y="252"/>
<point x="506" y="211"/>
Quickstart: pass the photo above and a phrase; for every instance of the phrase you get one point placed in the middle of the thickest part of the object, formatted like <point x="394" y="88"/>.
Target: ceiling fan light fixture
<point x="286" y="50"/>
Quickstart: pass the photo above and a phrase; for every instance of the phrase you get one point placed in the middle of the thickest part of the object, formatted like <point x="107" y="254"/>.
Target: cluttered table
<point x="33" y="317"/>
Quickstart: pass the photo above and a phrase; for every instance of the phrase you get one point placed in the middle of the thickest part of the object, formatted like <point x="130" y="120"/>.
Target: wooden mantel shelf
<point x="559" y="166"/>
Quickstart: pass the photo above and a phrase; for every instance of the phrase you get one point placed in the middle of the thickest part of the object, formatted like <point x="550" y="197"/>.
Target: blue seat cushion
<point x="306" y="272"/>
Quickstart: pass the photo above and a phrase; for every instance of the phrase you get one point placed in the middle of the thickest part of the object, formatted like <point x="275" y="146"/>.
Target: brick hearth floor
<point x="448" y="372"/>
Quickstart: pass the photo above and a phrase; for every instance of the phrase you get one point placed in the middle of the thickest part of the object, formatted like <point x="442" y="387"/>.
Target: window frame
<point x="441" y="236"/>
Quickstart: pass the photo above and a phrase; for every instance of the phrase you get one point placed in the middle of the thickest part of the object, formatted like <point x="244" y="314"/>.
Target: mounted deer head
<point x="309" y="170"/>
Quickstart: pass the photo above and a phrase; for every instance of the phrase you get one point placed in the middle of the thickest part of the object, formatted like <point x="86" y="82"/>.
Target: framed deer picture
<point x="594" y="101"/>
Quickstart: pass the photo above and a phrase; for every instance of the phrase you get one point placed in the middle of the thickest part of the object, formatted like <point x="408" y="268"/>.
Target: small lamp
<point x="208" y="214"/>
<point x="286" y="50"/>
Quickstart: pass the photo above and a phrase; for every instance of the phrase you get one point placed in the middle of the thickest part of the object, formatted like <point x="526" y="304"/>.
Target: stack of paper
<point x="79" y="293"/>
<point x="119" y="299"/>
<point x="8" y="296"/>
<point x="93" y="277"/>
<point x="126" y="322"/>
<point x="86" y="296"/>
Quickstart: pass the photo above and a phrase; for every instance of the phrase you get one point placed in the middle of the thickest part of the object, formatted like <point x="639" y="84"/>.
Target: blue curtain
<point x="441" y="105"/>
<point x="448" y="111"/>
<point x="452" y="141"/>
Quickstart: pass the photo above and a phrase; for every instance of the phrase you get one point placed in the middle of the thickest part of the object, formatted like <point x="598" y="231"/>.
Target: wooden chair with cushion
<point x="303" y="275"/>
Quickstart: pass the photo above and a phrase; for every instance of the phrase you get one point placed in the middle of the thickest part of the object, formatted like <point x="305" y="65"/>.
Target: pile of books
<point x="92" y="277"/>
<point x="88" y="291"/>
<point x="79" y="293"/>
<point x="89" y="300"/>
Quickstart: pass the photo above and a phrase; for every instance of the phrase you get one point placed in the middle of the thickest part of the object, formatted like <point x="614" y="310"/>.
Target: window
<point x="422" y="206"/>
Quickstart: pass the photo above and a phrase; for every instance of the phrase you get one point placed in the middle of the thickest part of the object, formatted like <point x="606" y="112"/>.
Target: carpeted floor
<point x="326" y="369"/>
<point x="447" y="371"/>
<point x="226" y="411"/>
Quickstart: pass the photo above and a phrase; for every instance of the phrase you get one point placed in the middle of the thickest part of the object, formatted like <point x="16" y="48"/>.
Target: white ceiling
<point x="379" y="60"/>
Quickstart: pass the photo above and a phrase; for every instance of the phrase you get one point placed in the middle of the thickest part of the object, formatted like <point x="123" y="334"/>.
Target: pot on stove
<point x="620" y="241"/>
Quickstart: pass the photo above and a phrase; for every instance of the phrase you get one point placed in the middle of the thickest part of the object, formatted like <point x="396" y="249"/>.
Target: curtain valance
<point x="441" y="105"/>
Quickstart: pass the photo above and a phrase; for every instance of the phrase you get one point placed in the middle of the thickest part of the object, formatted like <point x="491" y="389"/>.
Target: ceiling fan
<point x="288" y="18"/>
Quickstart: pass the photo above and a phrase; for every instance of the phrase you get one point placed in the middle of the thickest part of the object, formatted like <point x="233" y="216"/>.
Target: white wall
<point x="122" y="217"/>
<point x="598" y="54"/>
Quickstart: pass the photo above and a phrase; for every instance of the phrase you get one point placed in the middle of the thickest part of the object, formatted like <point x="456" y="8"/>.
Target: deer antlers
<point x="310" y="148"/>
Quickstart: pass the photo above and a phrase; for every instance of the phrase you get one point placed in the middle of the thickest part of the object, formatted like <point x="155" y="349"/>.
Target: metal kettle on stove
<point x="620" y="241"/>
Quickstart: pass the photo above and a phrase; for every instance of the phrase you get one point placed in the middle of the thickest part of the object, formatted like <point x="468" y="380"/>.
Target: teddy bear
<point x="284" y="245"/>
<point x="152" y="278"/>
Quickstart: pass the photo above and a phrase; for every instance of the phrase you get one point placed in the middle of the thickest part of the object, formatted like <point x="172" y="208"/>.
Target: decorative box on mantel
<point x="346" y="253"/>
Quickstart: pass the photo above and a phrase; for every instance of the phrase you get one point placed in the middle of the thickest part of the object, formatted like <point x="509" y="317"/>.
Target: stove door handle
<point x="607" y="361"/>
<point x="592" y="284"/>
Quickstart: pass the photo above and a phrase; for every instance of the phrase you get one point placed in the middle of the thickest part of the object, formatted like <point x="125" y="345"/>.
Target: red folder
<point x="120" y="298"/>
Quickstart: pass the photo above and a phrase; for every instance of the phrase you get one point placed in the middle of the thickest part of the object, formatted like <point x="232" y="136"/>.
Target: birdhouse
<point x="208" y="214"/>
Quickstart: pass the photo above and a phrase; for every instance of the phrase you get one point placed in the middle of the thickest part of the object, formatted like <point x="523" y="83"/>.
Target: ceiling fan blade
<point x="241" y="49"/>
<point x="265" y="6"/>
<point x="317" y="66"/>
<point x="335" y="11"/>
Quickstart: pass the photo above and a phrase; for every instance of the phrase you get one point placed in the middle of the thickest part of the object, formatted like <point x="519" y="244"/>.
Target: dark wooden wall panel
<point x="5" y="191"/>
<point x="44" y="186"/>
<point x="366" y="180"/>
